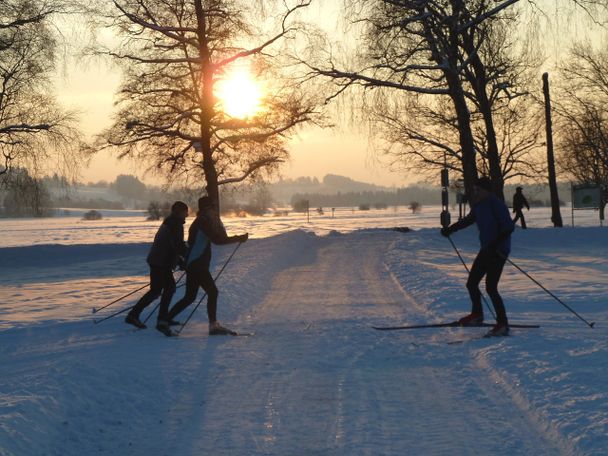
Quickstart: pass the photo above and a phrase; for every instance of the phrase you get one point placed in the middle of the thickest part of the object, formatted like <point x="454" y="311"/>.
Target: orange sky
<point x="314" y="152"/>
<point x="90" y="89"/>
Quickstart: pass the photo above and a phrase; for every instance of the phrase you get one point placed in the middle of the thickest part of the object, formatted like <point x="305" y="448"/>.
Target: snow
<point x="125" y="226"/>
<point x="314" y="378"/>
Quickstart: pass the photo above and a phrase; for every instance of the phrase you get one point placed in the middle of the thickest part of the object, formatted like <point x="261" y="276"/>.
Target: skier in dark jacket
<point x="166" y="252"/>
<point x="206" y="229"/>
<point x="519" y="201"/>
<point x="495" y="227"/>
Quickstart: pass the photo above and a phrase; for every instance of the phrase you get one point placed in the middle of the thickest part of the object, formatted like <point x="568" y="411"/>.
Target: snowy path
<point x="315" y="379"/>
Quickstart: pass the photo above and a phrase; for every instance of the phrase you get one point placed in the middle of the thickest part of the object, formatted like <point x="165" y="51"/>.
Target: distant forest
<point x="537" y="195"/>
<point x="398" y="197"/>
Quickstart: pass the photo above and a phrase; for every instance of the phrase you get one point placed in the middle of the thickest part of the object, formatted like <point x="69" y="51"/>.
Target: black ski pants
<point x="195" y="278"/>
<point x="161" y="283"/>
<point x="519" y="215"/>
<point x="489" y="264"/>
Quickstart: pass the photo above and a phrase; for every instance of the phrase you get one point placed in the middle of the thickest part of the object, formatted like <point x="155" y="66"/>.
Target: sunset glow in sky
<point x="239" y="94"/>
<point x="343" y="150"/>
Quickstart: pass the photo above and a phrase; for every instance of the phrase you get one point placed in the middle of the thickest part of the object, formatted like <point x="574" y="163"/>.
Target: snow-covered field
<point x="314" y="379"/>
<point x="131" y="226"/>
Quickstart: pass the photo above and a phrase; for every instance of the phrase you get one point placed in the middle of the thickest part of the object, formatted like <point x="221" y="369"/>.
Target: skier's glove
<point x="446" y="231"/>
<point x="181" y="263"/>
<point x="243" y="237"/>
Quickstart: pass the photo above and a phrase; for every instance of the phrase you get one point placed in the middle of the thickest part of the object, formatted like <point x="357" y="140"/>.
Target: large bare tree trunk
<point x="456" y="93"/>
<point x="206" y="102"/>
<point x="467" y="144"/>
<point x="479" y="86"/>
<point x="556" y="216"/>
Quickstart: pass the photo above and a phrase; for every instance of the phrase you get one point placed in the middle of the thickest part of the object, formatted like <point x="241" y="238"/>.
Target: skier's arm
<point x="219" y="236"/>
<point x="468" y="220"/>
<point x="223" y="240"/>
<point x="505" y="225"/>
<point x="526" y="203"/>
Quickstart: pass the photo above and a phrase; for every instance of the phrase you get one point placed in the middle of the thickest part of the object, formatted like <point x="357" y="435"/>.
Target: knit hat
<point x="179" y="206"/>
<point x="485" y="183"/>
<point x="204" y="202"/>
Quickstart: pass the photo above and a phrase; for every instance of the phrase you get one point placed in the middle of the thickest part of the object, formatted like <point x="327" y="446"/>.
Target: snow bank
<point x="557" y="373"/>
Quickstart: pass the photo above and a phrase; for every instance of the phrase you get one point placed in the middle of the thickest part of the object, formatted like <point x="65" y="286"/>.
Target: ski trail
<point x="316" y="380"/>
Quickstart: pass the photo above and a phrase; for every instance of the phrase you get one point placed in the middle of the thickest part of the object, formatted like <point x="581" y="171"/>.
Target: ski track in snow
<point x="315" y="379"/>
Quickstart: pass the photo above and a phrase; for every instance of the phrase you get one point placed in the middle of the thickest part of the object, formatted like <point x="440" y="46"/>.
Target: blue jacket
<point x="204" y="231"/>
<point x="493" y="220"/>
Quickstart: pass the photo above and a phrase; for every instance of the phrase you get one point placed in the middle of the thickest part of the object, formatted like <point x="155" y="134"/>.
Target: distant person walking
<point x="519" y="201"/>
<point x="495" y="227"/>
<point x="166" y="252"/>
<point x="206" y="229"/>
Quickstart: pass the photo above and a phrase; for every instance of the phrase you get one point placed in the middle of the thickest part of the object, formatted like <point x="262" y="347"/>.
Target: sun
<point x="239" y="94"/>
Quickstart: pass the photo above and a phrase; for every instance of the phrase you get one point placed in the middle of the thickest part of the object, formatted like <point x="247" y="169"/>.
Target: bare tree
<point x="584" y="116"/>
<point x="432" y="49"/>
<point x="173" y="55"/>
<point x="35" y="131"/>
<point x="450" y="60"/>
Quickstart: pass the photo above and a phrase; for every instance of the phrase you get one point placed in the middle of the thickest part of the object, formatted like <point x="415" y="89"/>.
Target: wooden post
<point x="556" y="216"/>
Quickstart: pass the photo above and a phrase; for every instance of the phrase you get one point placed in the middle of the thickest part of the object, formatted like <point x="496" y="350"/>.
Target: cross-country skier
<point x="519" y="201"/>
<point x="495" y="227"/>
<point x="206" y="229"/>
<point x="166" y="252"/>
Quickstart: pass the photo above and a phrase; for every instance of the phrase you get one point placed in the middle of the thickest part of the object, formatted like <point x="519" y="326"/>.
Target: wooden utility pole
<point x="556" y="216"/>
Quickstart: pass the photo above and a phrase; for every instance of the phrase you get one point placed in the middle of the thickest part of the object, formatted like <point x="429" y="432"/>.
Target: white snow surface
<point x="315" y="378"/>
<point x="122" y="226"/>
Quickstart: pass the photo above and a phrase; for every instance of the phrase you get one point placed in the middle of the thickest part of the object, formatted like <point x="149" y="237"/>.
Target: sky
<point x="314" y="151"/>
<point x="89" y="88"/>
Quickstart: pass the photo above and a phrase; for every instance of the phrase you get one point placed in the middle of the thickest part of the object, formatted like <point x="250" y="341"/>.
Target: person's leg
<point x="494" y="268"/>
<point x="517" y="217"/>
<point x="208" y="284"/>
<point x="477" y="272"/>
<point x="168" y="291"/>
<point x="192" y="284"/>
<point x="523" y="220"/>
<point x="156" y="287"/>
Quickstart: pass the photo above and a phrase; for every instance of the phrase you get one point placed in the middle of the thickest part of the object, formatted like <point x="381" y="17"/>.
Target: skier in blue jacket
<point x="206" y="229"/>
<point x="495" y="227"/>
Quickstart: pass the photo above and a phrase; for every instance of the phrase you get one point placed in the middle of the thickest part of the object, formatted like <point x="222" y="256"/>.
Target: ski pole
<point x="549" y="293"/>
<point x="120" y="299"/>
<point x="125" y="309"/>
<point x="467" y="269"/>
<point x="179" y="331"/>
<point x="114" y="314"/>
<point x="158" y="304"/>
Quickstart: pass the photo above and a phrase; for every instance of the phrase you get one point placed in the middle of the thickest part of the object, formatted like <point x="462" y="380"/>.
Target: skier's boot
<point x="473" y="319"/>
<point x="134" y="320"/>
<point x="499" y="329"/>
<point x="163" y="327"/>
<point x="215" y="329"/>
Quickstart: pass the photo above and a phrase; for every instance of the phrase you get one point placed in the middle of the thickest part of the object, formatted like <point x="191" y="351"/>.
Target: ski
<point x="484" y="337"/>
<point x="234" y="333"/>
<point x="452" y="324"/>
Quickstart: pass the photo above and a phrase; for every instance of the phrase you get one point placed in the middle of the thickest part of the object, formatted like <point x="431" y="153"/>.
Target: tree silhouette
<point x="33" y="127"/>
<point x="438" y="61"/>
<point x="583" y="117"/>
<point x="173" y="54"/>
